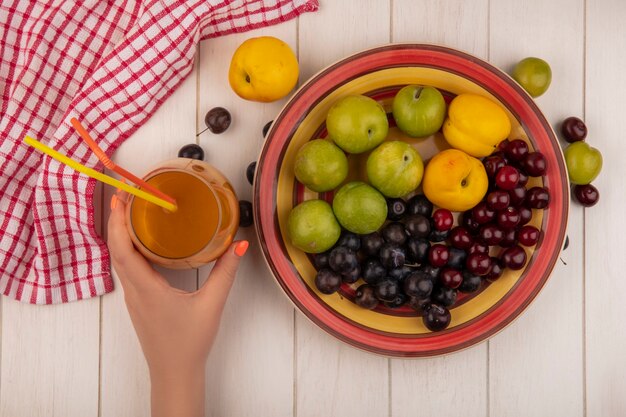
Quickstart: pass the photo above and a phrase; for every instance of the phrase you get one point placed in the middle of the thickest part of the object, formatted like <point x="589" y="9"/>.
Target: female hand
<point x="176" y="329"/>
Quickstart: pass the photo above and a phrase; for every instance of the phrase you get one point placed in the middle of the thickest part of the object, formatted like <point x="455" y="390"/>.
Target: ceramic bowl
<point x="380" y="73"/>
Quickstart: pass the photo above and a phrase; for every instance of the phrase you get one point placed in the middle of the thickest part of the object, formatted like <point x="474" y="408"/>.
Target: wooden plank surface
<point x="419" y="384"/>
<point x="253" y="354"/>
<point x="605" y="223"/>
<point x="563" y="356"/>
<point x="332" y="378"/>
<point x="548" y="369"/>
<point x="125" y="384"/>
<point x="49" y="363"/>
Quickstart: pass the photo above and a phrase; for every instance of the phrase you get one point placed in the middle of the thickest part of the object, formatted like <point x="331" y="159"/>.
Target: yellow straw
<point x="98" y="175"/>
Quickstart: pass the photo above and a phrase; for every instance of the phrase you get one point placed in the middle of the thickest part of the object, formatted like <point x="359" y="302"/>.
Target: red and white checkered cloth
<point x="110" y="64"/>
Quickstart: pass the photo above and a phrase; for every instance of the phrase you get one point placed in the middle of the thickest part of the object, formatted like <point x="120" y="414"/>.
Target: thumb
<point x="221" y="278"/>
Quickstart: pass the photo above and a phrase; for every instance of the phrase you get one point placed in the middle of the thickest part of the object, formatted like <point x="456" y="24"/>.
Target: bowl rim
<point x="509" y="316"/>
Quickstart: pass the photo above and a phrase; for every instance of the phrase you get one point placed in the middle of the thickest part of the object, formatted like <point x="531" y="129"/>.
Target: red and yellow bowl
<point x="380" y="73"/>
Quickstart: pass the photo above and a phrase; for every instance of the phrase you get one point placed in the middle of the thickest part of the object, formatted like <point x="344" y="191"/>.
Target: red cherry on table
<point x="587" y="195"/>
<point x="573" y="129"/>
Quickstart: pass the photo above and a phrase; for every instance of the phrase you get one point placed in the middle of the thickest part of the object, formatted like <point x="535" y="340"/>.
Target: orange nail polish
<point x="113" y="201"/>
<point x="241" y="248"/>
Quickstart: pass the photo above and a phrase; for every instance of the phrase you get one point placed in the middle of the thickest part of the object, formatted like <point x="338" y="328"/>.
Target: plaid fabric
<point x="110" y="64"/>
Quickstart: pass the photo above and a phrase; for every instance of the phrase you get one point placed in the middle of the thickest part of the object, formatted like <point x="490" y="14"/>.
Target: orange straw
<point x="115" y="168"/>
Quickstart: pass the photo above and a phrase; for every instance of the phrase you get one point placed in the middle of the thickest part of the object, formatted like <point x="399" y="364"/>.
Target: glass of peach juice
<point x="202" y="227"/>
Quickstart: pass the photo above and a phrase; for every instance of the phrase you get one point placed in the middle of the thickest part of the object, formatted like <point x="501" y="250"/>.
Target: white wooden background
<point x="564" y="357"/>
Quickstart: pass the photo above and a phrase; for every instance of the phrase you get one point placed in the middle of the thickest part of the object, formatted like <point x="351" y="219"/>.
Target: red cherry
<point x="438" y="255"/>
<point x="528" y="235"/>
<point x="587" y="195"/>
<point x="443" y="219"/>
<point x="513" y="257"/>
<point x="460" y="238"/>
<point x="535" y="164"/>
<point x="516" y="150"/>
<point x="507" y="178"/>
<point x="478" y="263"/>
<point x="451" y="277"/>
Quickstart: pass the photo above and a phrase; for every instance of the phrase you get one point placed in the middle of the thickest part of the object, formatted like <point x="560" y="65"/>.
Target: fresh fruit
<point x="491" y="234"/>
<point x="535" y="164"/>
<point x="507" y="178"/>
<point x="418" y="110"/>
<point x="471" y="283"/>
<point x="400" y="273"/>
<point x="350" y="241"/>
<point x="498" y="200"/>
<point x="493" y="164"/>
<point x="478" y="263"/>
<point x="357" y="124"/>
<point x="457" y="258"/>
<point x="371" y="243"/>
<point x="514" y="257"/>
<point x="482" y="213"/>
<point x="508" y="218"/>
<point x="516" y="150"/>
<point x="417" y="250"/>
<point x="517" y="195"/>
<point x="537" y="198"/>
<point x="476" y="125"/>
<point x="583" y="163"/>
<point x="573" y="129"/>
<point x="373" y="271"/>
<point x="528" y="235"/>
<point x="510" y="238"/>
<point x="360" y="208"/>
<point x="417" y="225"/>
<point x="364" y="297"/>
<point x="418" y="285"/>
<point x="587" y="195"/>
<point x="246" y="217"/>
<point x="320" y="165"/>
<point x="320" y="260"/>
<point x="443" y="219"/>
<point x="387" y="290"/>
<point x="395" y="233"/>
<point x="419" y="204"/>
<point x="454" y="180"/>
<point x="437" y="318"/>
<point x="495" y="270"/>
<point x="263" y="69"/>
<point x="525" y="215"/>
<point x="534" y="75"/>
<point x="478" y="247"/>
<point x="191" y="151"/>
<point x="444" y="296"/>
<point x="327" y="281"/>
<point x="396" y="207"/>
<point x="266" y="128"/>
<point x="250" y="170"/>
<point x="438" y="235"/>
<point x="342" y="259"/>
<point x="217" y="120"/>
<point x="451" y="277"/>
<point x="392" y="256"/>
<point x="461" y="238"/>
<point x="395" y="168"/>
<point x="438" y="255"/>
<point x="396" y="302"/>
<point x="312" y="226"/>
<point x="352" y="275"/>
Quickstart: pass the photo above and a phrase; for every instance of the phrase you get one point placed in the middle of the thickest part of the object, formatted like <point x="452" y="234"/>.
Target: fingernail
<point x="241" y="248"/>
<point x="117" y="190"/>
<point x="113" y="202"/>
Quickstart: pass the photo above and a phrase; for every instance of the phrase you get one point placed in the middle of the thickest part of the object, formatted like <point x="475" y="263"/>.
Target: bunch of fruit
<point x="584" y="162"/>
<point x="414" y="252"/>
